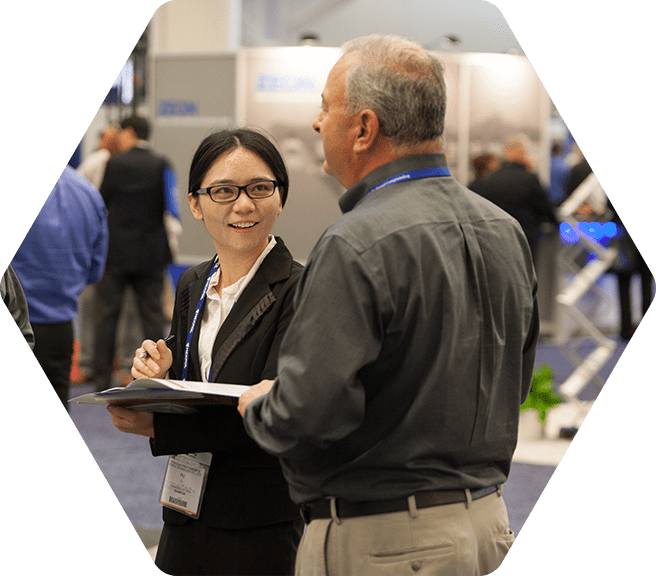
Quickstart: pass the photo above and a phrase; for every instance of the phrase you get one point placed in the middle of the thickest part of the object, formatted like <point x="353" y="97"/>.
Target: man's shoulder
<point x="136" y="152"/>
<point x="147" y="150"/>
<point x="508" y="178"/>
<point x="136" y="159"/>
<point x="71" y="181"/>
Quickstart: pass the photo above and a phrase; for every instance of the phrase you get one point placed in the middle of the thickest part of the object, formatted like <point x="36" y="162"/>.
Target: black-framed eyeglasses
<point x="224" y="193"/>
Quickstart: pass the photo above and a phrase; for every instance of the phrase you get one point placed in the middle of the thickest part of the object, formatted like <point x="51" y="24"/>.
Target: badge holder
<point x="184" y="482"/>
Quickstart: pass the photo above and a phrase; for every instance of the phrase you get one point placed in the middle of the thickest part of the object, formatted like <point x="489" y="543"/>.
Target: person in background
<point x="229" y="318"/>
<point x="629" y="263"/>
<point x="64" y="251"/>
<point x="579" y="172"/>
<point x="395" y="408"/>
<point x="483" y="164"/>
<point x="516" y="190"/>
<point x="13" y="296"/>
<point x="93" y="166"/>
<point x="139" y="189"/>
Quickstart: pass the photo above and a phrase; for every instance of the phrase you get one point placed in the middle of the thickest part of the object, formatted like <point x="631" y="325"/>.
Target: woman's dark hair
<point x="225" y="141"/>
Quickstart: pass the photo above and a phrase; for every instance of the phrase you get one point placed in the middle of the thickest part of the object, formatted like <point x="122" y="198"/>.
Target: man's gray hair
<point x="402" y="83"/>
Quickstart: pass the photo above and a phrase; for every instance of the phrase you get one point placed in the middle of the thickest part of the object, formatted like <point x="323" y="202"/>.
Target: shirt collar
<point x="236" y="289"/>
<point x="357" y="192"/>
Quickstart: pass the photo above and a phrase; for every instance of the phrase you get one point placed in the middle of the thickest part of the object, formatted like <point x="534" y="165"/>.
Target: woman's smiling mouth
<point x="243" y="225"/>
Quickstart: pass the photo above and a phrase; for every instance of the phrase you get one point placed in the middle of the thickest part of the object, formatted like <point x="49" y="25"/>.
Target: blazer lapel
<point x="254" y="301"/>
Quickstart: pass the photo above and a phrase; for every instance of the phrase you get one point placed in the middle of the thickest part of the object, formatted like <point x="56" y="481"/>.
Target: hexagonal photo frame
<point x="55" y="492"/>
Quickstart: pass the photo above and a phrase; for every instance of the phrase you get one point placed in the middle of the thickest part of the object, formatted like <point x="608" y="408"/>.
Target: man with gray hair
<point x="396" y="405"/>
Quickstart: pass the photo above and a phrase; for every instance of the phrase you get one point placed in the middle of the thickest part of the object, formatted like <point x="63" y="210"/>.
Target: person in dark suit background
<point x="517" y="190"/>
<point x="247" y="523"/>
<point x="139" y="190"/>
<point x="483" y="165"/>
<point x="580" y="171"/>
<point x="129" y="336"/>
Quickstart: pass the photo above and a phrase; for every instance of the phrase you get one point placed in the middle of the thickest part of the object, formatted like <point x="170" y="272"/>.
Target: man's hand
<point x="132" y="421"/>
<point x="253" y="392"/>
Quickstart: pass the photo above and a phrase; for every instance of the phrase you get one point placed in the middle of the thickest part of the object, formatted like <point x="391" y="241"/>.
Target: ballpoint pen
<point x="168" y="340"/>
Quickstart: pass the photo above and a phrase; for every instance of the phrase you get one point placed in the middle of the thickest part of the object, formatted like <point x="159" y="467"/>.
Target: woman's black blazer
<point x="245" y="486"/>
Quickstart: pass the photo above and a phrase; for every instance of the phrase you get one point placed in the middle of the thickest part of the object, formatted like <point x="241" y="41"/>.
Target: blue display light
<point x="568" y="234"/>
<point x="597" y="231"/>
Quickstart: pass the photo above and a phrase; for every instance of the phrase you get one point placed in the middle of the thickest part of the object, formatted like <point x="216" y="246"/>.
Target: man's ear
<point x="368" y="129"/>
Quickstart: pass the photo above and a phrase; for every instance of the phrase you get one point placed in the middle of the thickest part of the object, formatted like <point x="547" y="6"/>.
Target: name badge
<point x="184" y="482"/>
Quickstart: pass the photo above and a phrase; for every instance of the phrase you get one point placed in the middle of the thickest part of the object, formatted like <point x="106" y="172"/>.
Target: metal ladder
<point x="580" y="282"/>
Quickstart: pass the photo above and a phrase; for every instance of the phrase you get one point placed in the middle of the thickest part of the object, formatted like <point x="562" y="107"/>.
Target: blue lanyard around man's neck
<point x="412" y="175"/>
<point x="185" y="364"/>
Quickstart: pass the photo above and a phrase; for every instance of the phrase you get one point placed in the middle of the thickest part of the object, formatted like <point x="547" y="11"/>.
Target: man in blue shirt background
<point x="64" y="250"/>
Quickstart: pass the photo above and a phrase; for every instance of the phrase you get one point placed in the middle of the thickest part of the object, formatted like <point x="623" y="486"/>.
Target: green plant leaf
<point x="542" y="396"/>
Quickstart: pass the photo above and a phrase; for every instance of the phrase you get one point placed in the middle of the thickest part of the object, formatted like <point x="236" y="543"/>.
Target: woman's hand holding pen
<point x="152" y="360"/>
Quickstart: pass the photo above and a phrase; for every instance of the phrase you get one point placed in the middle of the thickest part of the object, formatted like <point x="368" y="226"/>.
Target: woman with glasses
<point x="229" y="318"/>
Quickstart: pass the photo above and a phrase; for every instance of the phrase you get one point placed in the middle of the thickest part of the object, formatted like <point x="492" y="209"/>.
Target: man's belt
<point x="344" y="509"/>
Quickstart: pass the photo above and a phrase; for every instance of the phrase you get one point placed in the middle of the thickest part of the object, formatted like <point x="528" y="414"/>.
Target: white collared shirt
<point x="218" y="307"/>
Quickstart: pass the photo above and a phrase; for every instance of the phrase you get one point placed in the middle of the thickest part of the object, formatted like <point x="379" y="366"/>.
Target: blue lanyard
<point x="185" y="364"/>
<point x="412" y="175"/>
